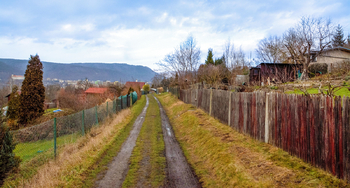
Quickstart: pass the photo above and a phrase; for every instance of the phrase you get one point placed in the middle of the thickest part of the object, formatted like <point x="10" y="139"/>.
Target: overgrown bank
<point x="221" y="157"/>
<point x="147" y="163"/>
<point x="78" y="164"/>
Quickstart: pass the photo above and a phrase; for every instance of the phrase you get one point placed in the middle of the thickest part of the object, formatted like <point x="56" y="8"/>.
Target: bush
<point x="318" y="68"/>
<point x="8" y="160"/>
<point x="146" y="88"/>
<point x="160" y="90"/>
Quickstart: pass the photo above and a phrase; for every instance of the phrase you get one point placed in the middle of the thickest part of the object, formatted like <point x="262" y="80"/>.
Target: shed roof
<point x="94" y="90"/>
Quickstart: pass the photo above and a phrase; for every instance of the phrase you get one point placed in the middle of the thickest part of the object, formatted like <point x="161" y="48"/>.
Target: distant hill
<point x="75" y="71"/>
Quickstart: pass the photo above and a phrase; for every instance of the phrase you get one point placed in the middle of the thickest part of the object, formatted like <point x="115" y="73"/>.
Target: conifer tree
<point x="210" y="57"/>
<point x="33" y="91"/>
<point x="13" y="105"/>
<point x="338" y="38"/>
<point x="8" y="160"/>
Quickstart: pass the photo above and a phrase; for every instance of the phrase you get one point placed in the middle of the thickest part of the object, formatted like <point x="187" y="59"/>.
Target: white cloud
<point x="135" y="33"/>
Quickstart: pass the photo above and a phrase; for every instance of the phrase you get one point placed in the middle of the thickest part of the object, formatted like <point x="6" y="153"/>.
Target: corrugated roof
<point x="96" y="90"/>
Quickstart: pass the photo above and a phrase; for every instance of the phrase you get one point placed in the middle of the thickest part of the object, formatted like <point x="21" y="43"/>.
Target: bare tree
<point x="307" y="40"/>
<point x="271" y="50"/>
<point x="234" y="59"/>
<point x="184" y="61"/>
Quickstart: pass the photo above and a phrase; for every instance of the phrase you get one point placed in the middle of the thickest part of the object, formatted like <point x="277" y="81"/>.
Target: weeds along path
<point x="118" y="168"/>
<point x="179" y="173"/>
<point x="147" y="163"/>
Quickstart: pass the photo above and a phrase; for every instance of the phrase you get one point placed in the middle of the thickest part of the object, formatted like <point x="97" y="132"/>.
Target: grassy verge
<point x="222" y="157"/>
<point x="29" y="150"/>
<point x="344" y="91"/>
<point x="78" y="163"/>
<point x="147" y="163"/>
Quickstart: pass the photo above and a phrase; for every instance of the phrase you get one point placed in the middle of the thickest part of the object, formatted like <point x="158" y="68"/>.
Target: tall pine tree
<point x="210" y="57"/>
<point x="338" y="37"/>
<point x="33" y="91"/>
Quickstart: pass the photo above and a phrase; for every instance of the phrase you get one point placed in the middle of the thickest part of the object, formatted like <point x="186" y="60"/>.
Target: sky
<point x="143" y="32"/>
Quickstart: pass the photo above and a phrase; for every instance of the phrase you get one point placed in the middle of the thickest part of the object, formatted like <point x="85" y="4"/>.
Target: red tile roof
<point x="129" y="84"/>
<point x="92" y="90"/>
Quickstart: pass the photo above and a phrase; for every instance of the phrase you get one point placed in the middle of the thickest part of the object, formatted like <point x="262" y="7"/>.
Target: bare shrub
<point x="318" y="67"/>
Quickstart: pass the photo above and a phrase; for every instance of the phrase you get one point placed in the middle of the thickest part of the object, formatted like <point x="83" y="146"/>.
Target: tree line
<point x="300" y="44"/>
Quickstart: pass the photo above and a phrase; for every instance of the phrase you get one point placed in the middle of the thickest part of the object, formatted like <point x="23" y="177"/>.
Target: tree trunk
<point x="304" y="74"/>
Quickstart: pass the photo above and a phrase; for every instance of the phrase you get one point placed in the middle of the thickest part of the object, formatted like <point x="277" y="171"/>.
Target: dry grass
<point x="222" y="157"/>
<point x="70" y="161"/>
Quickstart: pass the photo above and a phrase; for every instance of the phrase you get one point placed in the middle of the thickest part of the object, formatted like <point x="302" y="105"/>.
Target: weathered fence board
<point x="313" y="128"/>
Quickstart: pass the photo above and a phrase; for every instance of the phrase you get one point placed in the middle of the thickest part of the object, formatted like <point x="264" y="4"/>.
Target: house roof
<point x="333" y="49"/>
<point x="129" y="84"/>
<point x="282" y="64"/>
<point x="93" y="90"/>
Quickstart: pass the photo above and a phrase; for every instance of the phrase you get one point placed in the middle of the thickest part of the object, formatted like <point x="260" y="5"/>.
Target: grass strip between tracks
<point x="147" y="162"/>
<point x="222" y="157"/>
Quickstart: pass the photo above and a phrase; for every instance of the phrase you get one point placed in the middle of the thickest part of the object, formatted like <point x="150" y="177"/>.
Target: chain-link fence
<point x="50" y="135"/>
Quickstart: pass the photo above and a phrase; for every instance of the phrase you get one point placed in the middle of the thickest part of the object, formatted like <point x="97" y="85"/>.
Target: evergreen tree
<point x="33" y="91"/>
<point x="220" y="61"/>
<point x="8" y="160"/>
<point x="338" y="38"/>
<point x="209" y="57"/>
<point x="13" y="105"/>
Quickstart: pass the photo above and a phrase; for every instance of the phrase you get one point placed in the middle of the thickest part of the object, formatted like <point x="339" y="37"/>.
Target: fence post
<point x="121" y="102"/>
<point x="210" y="101"/>
<point x="267" y="118"/>
<point x="54" y="136"/>
<point x="83" y="126"/>
<point x="96" y="115"/>
<point x="229" y="109"/>
<point x="131" y="99"/>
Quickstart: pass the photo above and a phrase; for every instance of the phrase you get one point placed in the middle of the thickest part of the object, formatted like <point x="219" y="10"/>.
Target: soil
<point x="179" y="172"/>
<point x="119" y="167"/>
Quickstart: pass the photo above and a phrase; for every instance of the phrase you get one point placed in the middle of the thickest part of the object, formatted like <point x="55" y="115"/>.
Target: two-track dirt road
<point x="179" y="173"/>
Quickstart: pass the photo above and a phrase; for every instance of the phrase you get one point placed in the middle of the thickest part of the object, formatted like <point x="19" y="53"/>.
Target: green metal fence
<point x="49" y="136"/>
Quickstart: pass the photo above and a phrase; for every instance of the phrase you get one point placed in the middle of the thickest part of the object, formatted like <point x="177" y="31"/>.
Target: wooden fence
<point x="315" y="128"/>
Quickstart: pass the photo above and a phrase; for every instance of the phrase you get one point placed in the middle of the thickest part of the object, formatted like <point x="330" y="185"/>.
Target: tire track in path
<point x="179" y="173"/>
<point x="119" y="167"/>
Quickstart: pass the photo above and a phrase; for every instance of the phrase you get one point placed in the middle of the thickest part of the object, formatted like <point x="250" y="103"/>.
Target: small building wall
<point x="332" y="58"/>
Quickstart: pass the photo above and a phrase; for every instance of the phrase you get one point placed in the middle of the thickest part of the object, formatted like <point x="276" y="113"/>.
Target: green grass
<point x="222" y="157"/>
<point x="48" y="111"/>
<point x="149" y="145"/>
<point x="29" y="150"/>
<point x="32" y="159"/>
<point x="95" y="165"/>
<point x="344" y="91"/>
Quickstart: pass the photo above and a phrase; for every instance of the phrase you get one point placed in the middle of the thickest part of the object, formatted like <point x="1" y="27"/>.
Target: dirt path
<point x="179" y="173"/>
<point x="118" y="168"/>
